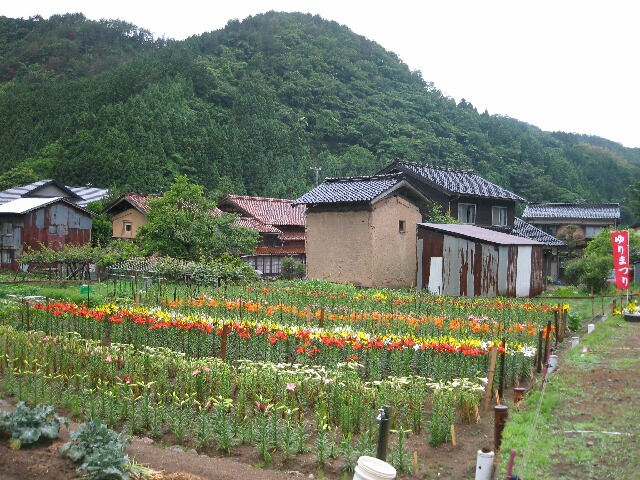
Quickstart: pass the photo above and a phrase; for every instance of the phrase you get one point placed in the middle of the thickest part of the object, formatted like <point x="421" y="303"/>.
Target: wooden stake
<point x="415" y="463"/>
<point x="309" y="315"/>
<point x="492" y="369"/>
<point x="453" y="435"/>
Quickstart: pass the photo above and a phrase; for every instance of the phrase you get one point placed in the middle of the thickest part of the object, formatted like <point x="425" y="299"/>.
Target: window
<point x="126" y="226"/>
<point x="550" y="229"/>
<point x="499" y="216"/>
<point x="5" y="257"/>
<point x="7" y="228"/>
<point x="590" y="231"/>
<point x="467" y="213"/>
<point x="402" y="226"/>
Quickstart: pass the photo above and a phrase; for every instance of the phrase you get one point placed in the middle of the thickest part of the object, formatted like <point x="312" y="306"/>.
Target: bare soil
<point x="175" y="463"/>
<point x="444" y="462"/>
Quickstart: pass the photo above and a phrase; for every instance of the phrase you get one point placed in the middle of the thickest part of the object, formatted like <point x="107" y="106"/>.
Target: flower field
<point x="285" y="368"/>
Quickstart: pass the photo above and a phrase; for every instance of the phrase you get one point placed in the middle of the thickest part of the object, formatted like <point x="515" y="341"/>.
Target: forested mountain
<point x="253" y="107"/>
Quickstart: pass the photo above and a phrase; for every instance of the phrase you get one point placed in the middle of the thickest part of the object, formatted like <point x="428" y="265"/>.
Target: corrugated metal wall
<point x="451" y="265"/>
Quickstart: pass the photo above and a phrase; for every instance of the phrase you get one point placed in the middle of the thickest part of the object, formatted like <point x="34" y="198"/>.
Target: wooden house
<point x="280" y="224"/>
<point x="31" y="222"/>
<point x="128" y="213"/>
<point x="467" y="197"/>
<point x="362" y="230"/>
<point x="590" y="219"/>
<point x="472" y="261"/>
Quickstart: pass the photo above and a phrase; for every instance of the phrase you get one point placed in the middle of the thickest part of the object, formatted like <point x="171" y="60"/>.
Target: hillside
<point x="252" y="107"/>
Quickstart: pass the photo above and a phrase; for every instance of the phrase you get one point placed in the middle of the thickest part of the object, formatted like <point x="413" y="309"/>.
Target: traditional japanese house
<point x="362" y="230"/>
<point x="280" y="224"/>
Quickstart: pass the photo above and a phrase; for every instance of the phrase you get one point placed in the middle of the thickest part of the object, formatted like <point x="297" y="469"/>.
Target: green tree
<point x="601" y="246"/>
<point x="573" y="240"/>
<point x="436" y="215"/>
<point x="186" y="225"/>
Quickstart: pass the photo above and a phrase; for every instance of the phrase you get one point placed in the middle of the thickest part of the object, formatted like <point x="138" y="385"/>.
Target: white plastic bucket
<point x="590" y="327"/>
<point x="553" y="363"/>
<point x="371" y="468"/>
<point x="484" y="465"/>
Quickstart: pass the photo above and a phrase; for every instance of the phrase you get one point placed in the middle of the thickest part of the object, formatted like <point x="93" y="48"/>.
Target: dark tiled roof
<point x="454" y="181"/>
<point x="350" y="189"/>
<point x="79" y="195"/>
<point x="270" y="211"/>
<point x="478" y="233"/>
<point x="572" y="210"/>
<point x="526" y="230"/>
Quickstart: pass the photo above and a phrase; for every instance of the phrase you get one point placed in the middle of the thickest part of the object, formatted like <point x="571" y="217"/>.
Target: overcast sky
<point x="568" y="65"/>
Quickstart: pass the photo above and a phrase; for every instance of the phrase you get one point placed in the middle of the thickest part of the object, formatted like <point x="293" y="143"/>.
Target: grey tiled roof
<point x="350" y="189"/>
<point x="454" y="181"/>
<point x="80" y="195"/>
<point x="526" y="230"/>
<point x="572" y="210"/>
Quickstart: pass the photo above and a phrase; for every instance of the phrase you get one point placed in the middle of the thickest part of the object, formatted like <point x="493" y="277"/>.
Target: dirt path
<point x="595" y="416"/>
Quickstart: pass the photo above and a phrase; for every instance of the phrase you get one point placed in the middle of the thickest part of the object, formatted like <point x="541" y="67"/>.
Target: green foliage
<point x="27" y="426"/>
<point x="437" y="216"/>
<point x="291" y="268"/>
<point x="574" y="322"/>
<point x="101" y="451"/>
<point x="573" y="239"/>
<point x="601" y="246"/>
<point x="248" y="109"/>
<point x="185" y="225"/>
<point x="590" y="271"/>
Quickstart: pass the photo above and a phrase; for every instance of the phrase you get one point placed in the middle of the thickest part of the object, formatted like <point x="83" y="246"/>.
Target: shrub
<point x="292" y="268"/>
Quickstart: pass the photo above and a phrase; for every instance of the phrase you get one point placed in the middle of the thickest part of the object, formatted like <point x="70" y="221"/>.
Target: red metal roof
<point x="271" y="211"/>
<point x="138" y="201"/>
<point x="479" y="233"/>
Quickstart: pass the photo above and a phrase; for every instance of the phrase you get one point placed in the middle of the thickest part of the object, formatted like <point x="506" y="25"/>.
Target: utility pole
<point x="317" y="169"/>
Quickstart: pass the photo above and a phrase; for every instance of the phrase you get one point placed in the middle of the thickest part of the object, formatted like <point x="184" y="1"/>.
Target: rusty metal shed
<point x="30" y="222"/>
<point x="471" y="261"/>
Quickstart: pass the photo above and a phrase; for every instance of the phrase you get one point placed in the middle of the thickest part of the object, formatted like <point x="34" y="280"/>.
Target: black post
<point x="539" y="353"/>
<point x="384" y="418"/>
<point x="502" y="360"/>
<point x="546" y="342"/>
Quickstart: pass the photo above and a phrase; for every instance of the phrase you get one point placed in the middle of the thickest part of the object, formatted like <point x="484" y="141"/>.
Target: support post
<point x="384" y="418"/>
<point x="501" y="413"/>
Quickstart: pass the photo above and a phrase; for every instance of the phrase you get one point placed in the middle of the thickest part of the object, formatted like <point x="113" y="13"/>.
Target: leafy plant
<point x="101" y="451"/>
<point x="573" y="321"/>
<point x="27" y="426"/>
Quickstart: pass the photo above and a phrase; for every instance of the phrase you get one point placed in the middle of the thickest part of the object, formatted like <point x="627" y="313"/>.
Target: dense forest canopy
<point x="251" y="108"/>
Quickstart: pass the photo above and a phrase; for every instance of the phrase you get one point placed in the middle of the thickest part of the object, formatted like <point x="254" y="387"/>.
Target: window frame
<point x="465" y="208"/>
<point x="495" y="212"/>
